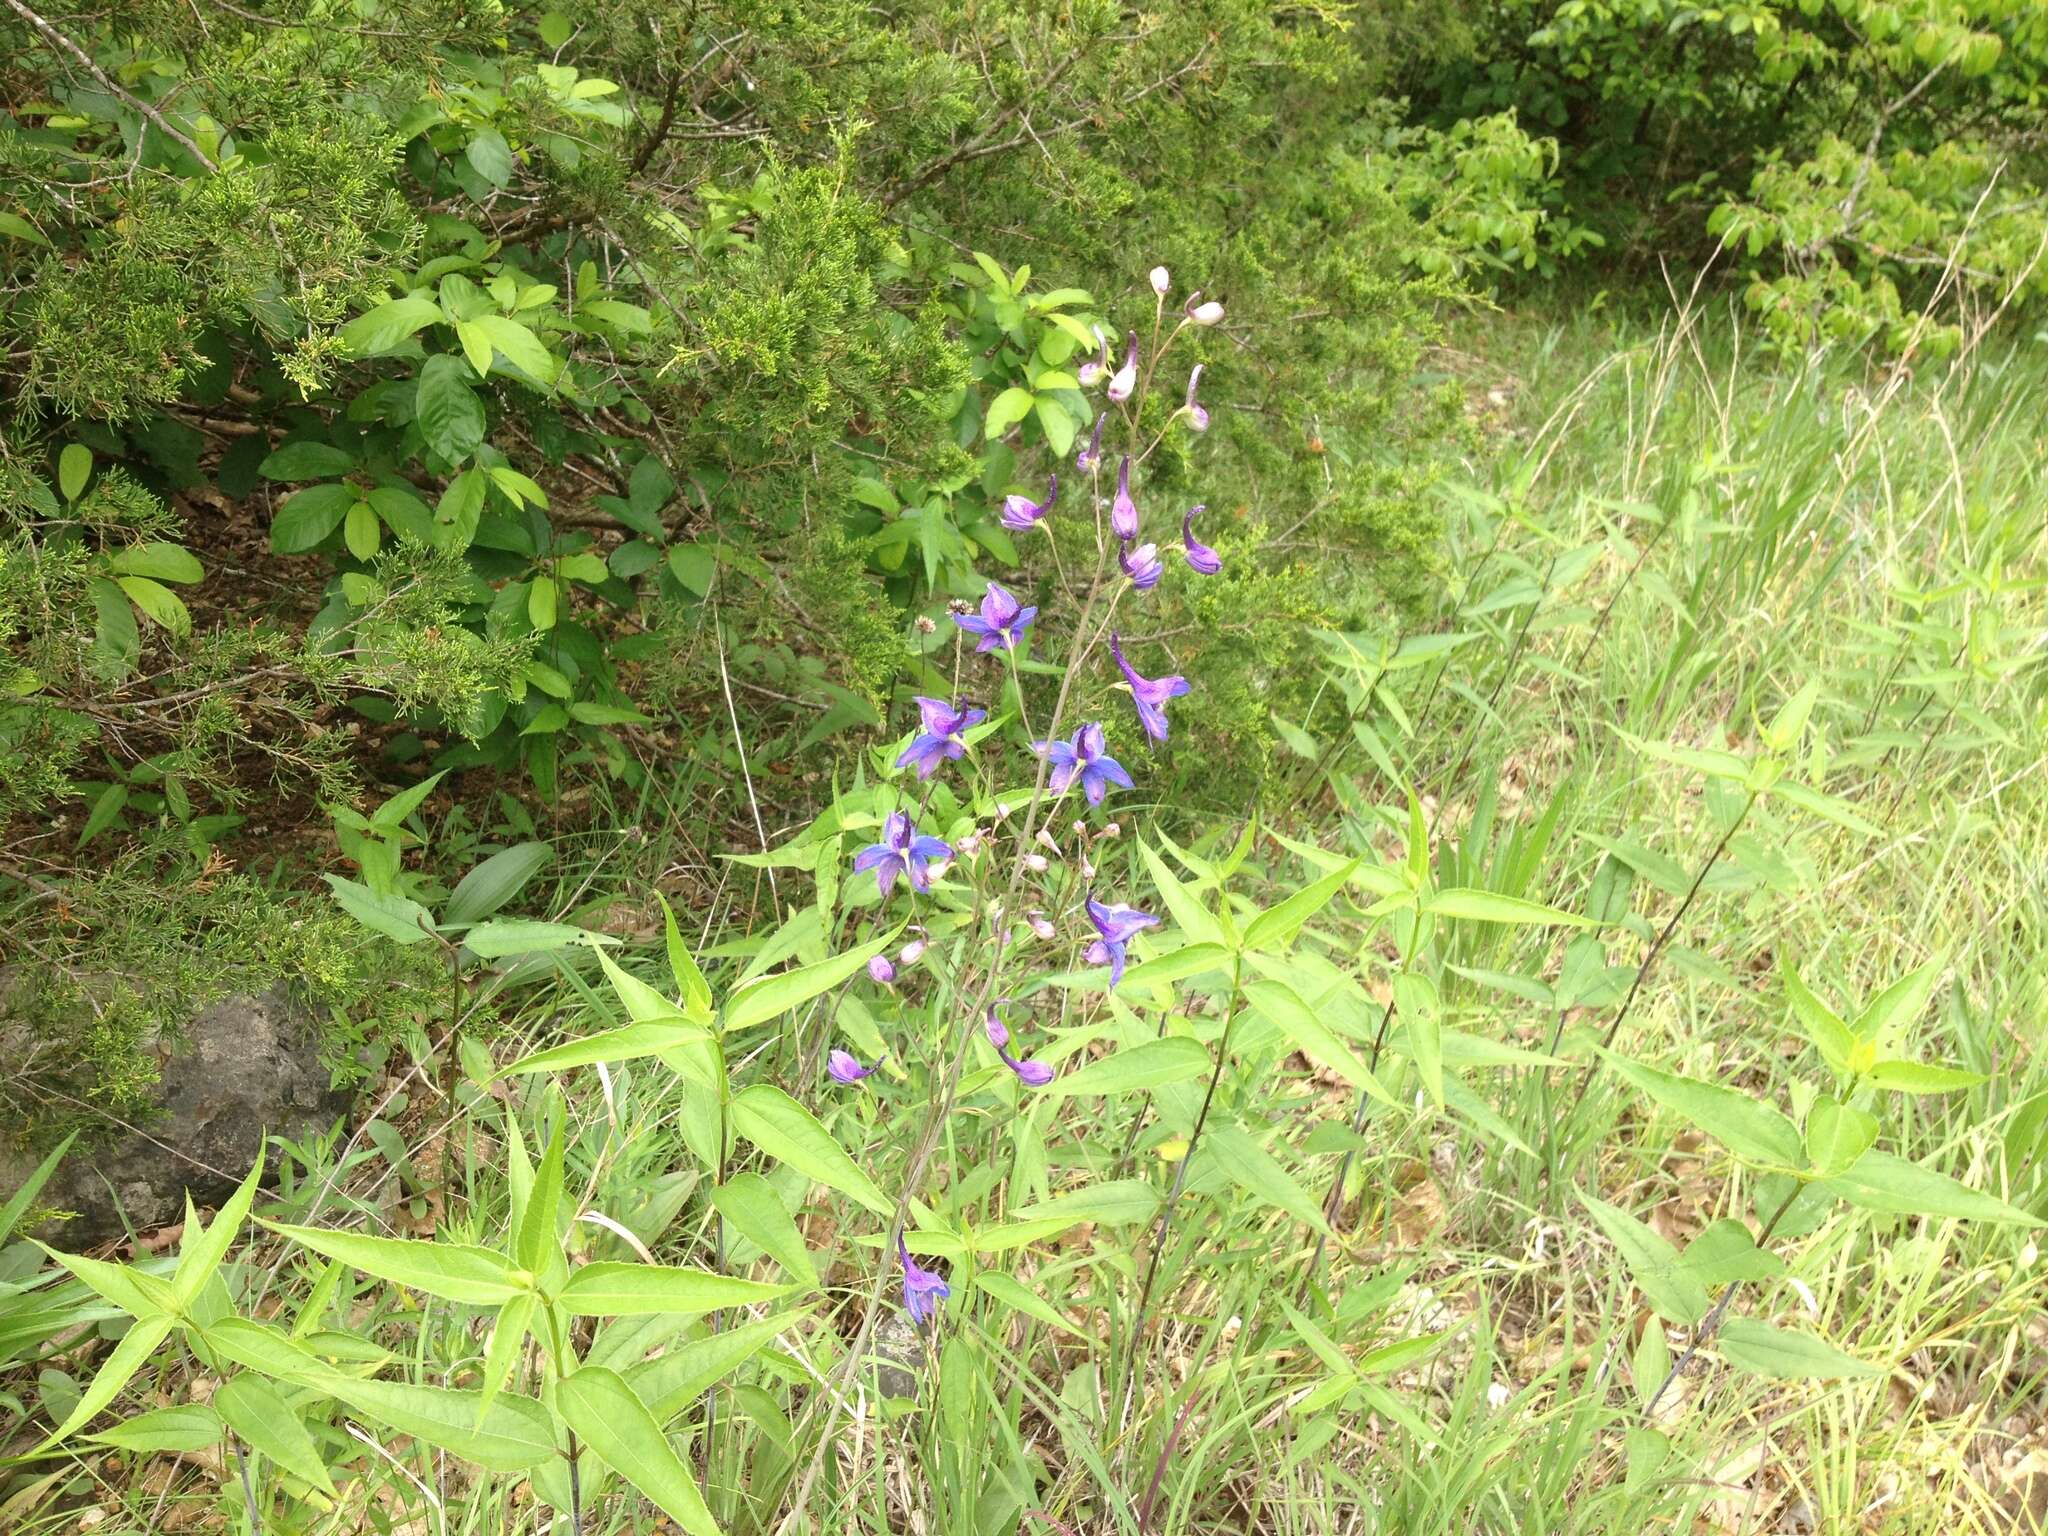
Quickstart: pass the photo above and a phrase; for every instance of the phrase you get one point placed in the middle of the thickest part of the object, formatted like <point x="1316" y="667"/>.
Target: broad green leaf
<point x="185" y="1427"/>
<point x="518" y="936"/>
<point x="641" y="1002"/>
<point x="381" y="329"/>
<point x="1830" y="1036"/>
<point x="1492" y="907"/>
<point x="1654" y="1265"/>
<point x="507" y="1342"/>
<point x="1154" y="1064"/>
<point x="304" y="521"/>
<point x="621" y="1430"/>
<point x="74" y="468"/>
<point x="649" y="1037"/>
<point x="1916" y="1077"/>
<point x="106" y="806"/>
<point x="160" y="603"/>
<point x="1752" y="1131"/>
<point x="490" y="156"/>
<point x="1278" y="1003"/>
<point x="769" y="997"/>
<point x="477" y="1277"/>
<point x="261" y="1347"/>
<point x="692" y="990"/>
<point x="1836" y="1134"/>
<point x="1900" y="1005"/>
<point x="391" y="815"/>
<point x="1018" y="1296"/>
<point x="1182" y="904"/>
<point x="496" y="881"/>
<point x="201" y="1254"/>
<point x="633" y="1290"/>
<point x="1827" y="807"/>
<point x="1279" y="923"/>
<point x="750" y="1207"/>
<point x="139" y="1294"/>
<point x="1784" y="731"/>
<point x="136" y="1346"/>
<point x="450" y="413"/>
<point x="396" y="917"/>
<point x="1112" y="1203"/>
<point x="524" y="350"/>
<point x="1725" y="1253"/>
<point x="1882" y="1181"/>
<point x="158" y="561"/>
<point x="512" y="1434"/>
<point x="306" y="460"/>
<point x="1256" y="1171"/>
<point x="254" y="1410"/>
<point x="1006" y="410"/>
<point x="682" y="1374"/>
<point x="117" y="639"/>
<point x="785" y="1130"/>
<point x="1753" y="1346"/>
<point x="536" y="1225"/>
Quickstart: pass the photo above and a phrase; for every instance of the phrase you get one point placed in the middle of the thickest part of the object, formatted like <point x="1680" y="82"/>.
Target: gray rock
<point x="244" y="1067"/>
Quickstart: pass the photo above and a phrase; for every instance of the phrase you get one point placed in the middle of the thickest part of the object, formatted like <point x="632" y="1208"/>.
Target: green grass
<point x="1662" y="542"/>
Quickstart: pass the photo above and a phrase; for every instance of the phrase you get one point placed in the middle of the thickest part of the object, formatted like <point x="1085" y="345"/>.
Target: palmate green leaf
<point x="1669" y="1287"/>
<point x="119" y="1368"/>
<point x="1279" y="1005"/>
<point x="622" y="1431"/>
<point x="1153" y="1064"/>
<point x="629" y="1042"/>
<point x="1788" y="1356"/>
<point x="1882" y="1181"/>
<point x="636" y="1290"/>
<point x="253" y="1409"/>
<point x="1256" y="1171"/>
<point x="769" y="997"/>
<point x="1279" y="923"/>
<point x="785" y="1130"/>
<point x="1491" y="907"/>
<point x="1755" y="1132"/>
<point x="751" y="1208"/>
<point x="477" y="1277"/>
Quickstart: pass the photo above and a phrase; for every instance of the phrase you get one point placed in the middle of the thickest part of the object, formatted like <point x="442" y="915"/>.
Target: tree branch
<point x="66" y="44"/>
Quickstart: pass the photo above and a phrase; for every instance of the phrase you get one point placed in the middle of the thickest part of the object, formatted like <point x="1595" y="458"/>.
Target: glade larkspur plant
<point x="1197" y="417"/>
<point x="1086" y="758"/>
<point x="1032" y="1074"/>
<point x="844" y="1067"/>
<point x="941" y="740"/>
<point x="1200" y="556"/>
<point x="1001" y="622"/>
<point x="1090" y="457"/>
<point x="922" y="1290"/>
<point x="1123" y="512"/>
<point x="903" y="851"/>
<point x="1116" y="926"/>
<point x="1021" y="514"/>
<point x="1125" y="379"/>
<point x="1142" y="564"/>
<point x="1149" y="694"/>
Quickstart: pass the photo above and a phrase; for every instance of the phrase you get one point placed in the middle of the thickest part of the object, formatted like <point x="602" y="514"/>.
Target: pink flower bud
<point x="1037" y="863"/>
<point x="1161" y="281"/>
<point x="911" y="952"/>
<point x="1210" y="313"/>
<point x="1041" y="926"/>
<point x="880" y="971"/>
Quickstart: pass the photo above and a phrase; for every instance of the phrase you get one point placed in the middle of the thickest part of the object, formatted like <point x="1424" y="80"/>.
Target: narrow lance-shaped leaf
<point x="621" y="1430"/>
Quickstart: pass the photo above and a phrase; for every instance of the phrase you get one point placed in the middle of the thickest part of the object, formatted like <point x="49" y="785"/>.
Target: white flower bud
<point x="1161" y="281"/>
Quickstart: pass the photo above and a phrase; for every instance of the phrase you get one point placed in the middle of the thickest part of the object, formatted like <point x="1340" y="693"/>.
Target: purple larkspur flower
<point x="1117" y="924"/>
<point x="1093" y="369"/>
<point x="1032" y="1074"/>
<point x="844" y="1067"/>
<point x="1142" y="565"/>
<point x="922" y="1290"/>
<point x="903" y="850"/>
<point x="880" y="971"/>
<point x="1126" y="378"/>
<point x="1021" y="514"/>
<point x="1123" y="511"/>
<point x="1088" y="458"/>
<point x="1197" y="417"/>
<point x="1148" y="693"/>
<point x="1002" y="622"/>
<point x="1200" y="556"/>
<point x="941" y="739"/>
<point x="1086" y="757"/>
<point x="1210" y="313"/>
